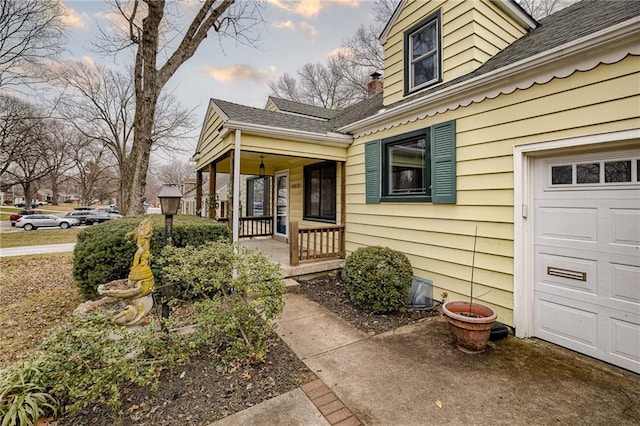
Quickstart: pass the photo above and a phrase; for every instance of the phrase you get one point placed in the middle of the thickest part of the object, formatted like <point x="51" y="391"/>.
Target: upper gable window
<point x="422" y="54"/>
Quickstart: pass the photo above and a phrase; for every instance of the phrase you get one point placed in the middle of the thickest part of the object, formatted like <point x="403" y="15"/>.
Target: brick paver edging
<point x="336" y="413"/>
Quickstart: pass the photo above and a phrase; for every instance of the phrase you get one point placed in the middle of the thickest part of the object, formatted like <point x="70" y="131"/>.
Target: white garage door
<point x="587" y="255"/>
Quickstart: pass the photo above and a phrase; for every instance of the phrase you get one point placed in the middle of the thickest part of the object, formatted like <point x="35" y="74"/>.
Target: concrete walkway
<point x="415" y="376"/>
<point x="48" y="248"/>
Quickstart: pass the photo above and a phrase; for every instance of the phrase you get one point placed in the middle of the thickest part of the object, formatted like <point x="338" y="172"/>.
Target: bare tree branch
<point x="342" y="81"/>
<point x="100" y="104"/>
<point x="542" y="8"/>
<point x="27" y="164"/>
<point x="31" y="33"/>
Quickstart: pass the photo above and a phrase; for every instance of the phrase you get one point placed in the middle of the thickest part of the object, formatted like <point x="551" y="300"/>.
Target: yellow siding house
<point x="525" y="131"/>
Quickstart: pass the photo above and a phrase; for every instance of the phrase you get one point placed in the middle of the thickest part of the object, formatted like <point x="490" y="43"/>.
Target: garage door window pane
<point x="588" y="173"/>
<point x="562" y="175"/>
<point x="617" y="171"/>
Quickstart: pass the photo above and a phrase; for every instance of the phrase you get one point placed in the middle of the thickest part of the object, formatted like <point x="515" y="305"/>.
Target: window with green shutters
<point x="443" y="162"/>
<point x="372" y="171"/>
<point x="419" y="166"/>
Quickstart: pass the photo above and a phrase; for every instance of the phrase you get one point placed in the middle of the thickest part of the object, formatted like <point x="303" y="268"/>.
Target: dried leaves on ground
<point x="37" y="293"/>
<point x="201" y="392"/>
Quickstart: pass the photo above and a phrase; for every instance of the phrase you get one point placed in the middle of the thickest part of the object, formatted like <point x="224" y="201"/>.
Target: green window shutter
<point x="372" y="171"/>
<point x="443" y="162"/>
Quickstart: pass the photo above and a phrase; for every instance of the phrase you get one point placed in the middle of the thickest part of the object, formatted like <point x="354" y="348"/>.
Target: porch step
<point x="291" y="285"/>
<point x="313" y="267"/>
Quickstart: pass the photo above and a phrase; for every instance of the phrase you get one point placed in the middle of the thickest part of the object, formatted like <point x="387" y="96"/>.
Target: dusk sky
<point x="294" y="32"/>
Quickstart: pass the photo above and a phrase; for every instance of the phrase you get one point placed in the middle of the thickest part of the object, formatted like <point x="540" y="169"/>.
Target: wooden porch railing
<point x="315" y="243"/>
<point x="253" y="226"/>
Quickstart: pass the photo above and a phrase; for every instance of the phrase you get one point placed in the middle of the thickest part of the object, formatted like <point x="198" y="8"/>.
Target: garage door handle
<point x="565" y="273"/>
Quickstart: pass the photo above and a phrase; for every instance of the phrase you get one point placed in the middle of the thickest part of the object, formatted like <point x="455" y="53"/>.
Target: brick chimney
<point x="375" y="85"/>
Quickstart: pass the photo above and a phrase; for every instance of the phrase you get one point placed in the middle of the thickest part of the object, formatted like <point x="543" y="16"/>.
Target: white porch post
<point x="236" y="187"/>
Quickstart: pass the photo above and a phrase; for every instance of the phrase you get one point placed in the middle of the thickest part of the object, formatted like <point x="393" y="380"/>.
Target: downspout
<point x="236" y="187"/>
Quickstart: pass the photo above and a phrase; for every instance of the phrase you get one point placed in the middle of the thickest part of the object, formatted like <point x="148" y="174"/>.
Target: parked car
<point x="14" y="217"/>
<point x="81" y="208"/>
<point x="82" y="215"/>
<point x="101" y="217"/>
<point x="110" y="209"/>
<point x="22" y="204"/>
<point x="36" y="221"/>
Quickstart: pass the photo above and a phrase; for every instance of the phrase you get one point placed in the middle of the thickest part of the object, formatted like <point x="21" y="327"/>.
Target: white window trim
<point x="412" y="61"/>
<point x="523" y="259"/>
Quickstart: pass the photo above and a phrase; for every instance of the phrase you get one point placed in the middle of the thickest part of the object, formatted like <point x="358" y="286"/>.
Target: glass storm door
<point x="282" y="204"/>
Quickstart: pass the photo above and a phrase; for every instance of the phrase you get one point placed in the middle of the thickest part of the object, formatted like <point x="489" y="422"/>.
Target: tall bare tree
<point x="93" y="170"/>
<point x="542" y="8"/>
<point x="27" y="165"/>
<point x="329" y="85"/>
<point x="31" y="33"/>
<point x="13" y="112"/>
<point x="101" y="104"/>
<point x="161" y="46"/>
<point x="59" y="156"/>
<point x="176" y="172"/>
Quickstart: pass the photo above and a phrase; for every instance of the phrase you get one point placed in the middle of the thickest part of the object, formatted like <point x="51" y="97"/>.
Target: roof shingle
<point x="286" y="105"/>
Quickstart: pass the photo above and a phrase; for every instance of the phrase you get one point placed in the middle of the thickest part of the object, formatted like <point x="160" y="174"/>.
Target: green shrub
<point x="23" y="396"/>
<point x="88" y="358"/>
<point x="240" y="294"/>
<point x="102" y="253"/>
<point x="378" y="279"/>
<point x="85" y="360"/>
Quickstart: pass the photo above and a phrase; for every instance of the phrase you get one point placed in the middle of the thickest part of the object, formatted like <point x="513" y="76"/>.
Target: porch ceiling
<point x="250" y="162"/>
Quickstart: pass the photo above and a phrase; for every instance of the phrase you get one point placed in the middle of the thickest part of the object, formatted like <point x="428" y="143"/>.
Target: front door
<point x="282" y="204"/>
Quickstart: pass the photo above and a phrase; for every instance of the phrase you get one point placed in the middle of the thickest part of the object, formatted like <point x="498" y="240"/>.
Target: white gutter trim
<point x="516" y="13"/>
<point x="475" y="86"/>
<point x="394" y="17"/>
<point x="220" y="112"/>
<point x="204" y="121"/>
<point x="328" y="138"/>
<point x="236" y="187"/>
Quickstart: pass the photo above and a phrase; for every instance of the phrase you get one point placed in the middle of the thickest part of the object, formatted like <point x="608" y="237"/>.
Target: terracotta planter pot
<point x="470" y="325"/>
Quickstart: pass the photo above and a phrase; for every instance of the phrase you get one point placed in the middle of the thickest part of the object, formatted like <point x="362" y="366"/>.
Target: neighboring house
<point x="44" y="195"/>
<point x="188" y="203"/>
<point x="526" y="131"/>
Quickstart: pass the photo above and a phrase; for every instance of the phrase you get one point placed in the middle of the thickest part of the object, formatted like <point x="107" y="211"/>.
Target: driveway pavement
<point x="415" y="376"/>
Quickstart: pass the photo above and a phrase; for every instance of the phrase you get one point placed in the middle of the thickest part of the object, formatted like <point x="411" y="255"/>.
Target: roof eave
<point x="394" y="17"/>
<point x="515" y="12"/>
<point x="469" y="88"/>
<point x="329" y="138"/>
<point x="196" y="154"/>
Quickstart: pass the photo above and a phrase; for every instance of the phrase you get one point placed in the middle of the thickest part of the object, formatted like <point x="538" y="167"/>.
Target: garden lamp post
<point x="169" y="197"/>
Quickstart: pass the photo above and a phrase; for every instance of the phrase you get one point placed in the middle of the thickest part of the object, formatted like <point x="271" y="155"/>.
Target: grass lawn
<point x="37" y="294"/>
<point x="38" y="237"/>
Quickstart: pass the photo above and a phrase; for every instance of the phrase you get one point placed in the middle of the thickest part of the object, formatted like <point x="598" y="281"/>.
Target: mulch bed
<point x="330" y="291"/>
<point x="200" y="393"/>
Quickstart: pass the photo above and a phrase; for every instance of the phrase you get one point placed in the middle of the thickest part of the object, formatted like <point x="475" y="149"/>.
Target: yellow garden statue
<point x="136" y="290"/>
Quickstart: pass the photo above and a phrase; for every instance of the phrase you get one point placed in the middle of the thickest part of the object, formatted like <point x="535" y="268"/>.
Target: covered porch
<point x="278" y="251"/>
<point x="286" y="187"/>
